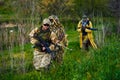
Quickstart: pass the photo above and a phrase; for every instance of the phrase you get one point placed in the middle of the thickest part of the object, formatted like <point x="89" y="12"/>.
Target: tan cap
<point x="46" y="21"/>
<point x="51" y="17"/>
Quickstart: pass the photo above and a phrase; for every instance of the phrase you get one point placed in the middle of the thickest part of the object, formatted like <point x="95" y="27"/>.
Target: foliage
<point x="16" y="56"/>
<point x="58" y="7"/>
<point x="100" y="64"/>
<point x="73" y="8"/>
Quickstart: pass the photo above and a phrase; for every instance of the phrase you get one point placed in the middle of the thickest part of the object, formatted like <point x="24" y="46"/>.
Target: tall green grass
<point x="100" y="64"/>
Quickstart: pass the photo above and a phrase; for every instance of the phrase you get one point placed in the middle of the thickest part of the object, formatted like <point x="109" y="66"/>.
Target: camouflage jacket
<point x="47" y="36"/>
<point x="58" y="30"/>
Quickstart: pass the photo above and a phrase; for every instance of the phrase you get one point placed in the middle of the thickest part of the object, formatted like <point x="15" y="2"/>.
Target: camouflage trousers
<point x="41" y="60"/>
<point x="59" y="56"/>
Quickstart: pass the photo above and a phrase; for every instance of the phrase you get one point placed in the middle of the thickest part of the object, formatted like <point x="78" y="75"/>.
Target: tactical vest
<point x="45" y="35"/>
<point x="84" y="25"/>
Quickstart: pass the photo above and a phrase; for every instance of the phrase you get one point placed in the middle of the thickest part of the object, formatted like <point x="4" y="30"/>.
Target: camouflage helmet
<point x="51" y="17"/>
<point x="46" y="21"/>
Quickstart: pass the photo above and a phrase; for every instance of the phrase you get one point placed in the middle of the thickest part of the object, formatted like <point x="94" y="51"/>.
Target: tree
<point x="114" y="6"/>
<point x="91" y="7"/>
<point x="57" y="7"/>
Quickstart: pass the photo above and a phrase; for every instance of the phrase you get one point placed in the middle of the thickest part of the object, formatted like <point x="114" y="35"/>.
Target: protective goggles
<point x="46" y="24"/>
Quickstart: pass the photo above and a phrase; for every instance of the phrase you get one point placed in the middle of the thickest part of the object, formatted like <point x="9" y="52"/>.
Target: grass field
<point x="100" y="64"/>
